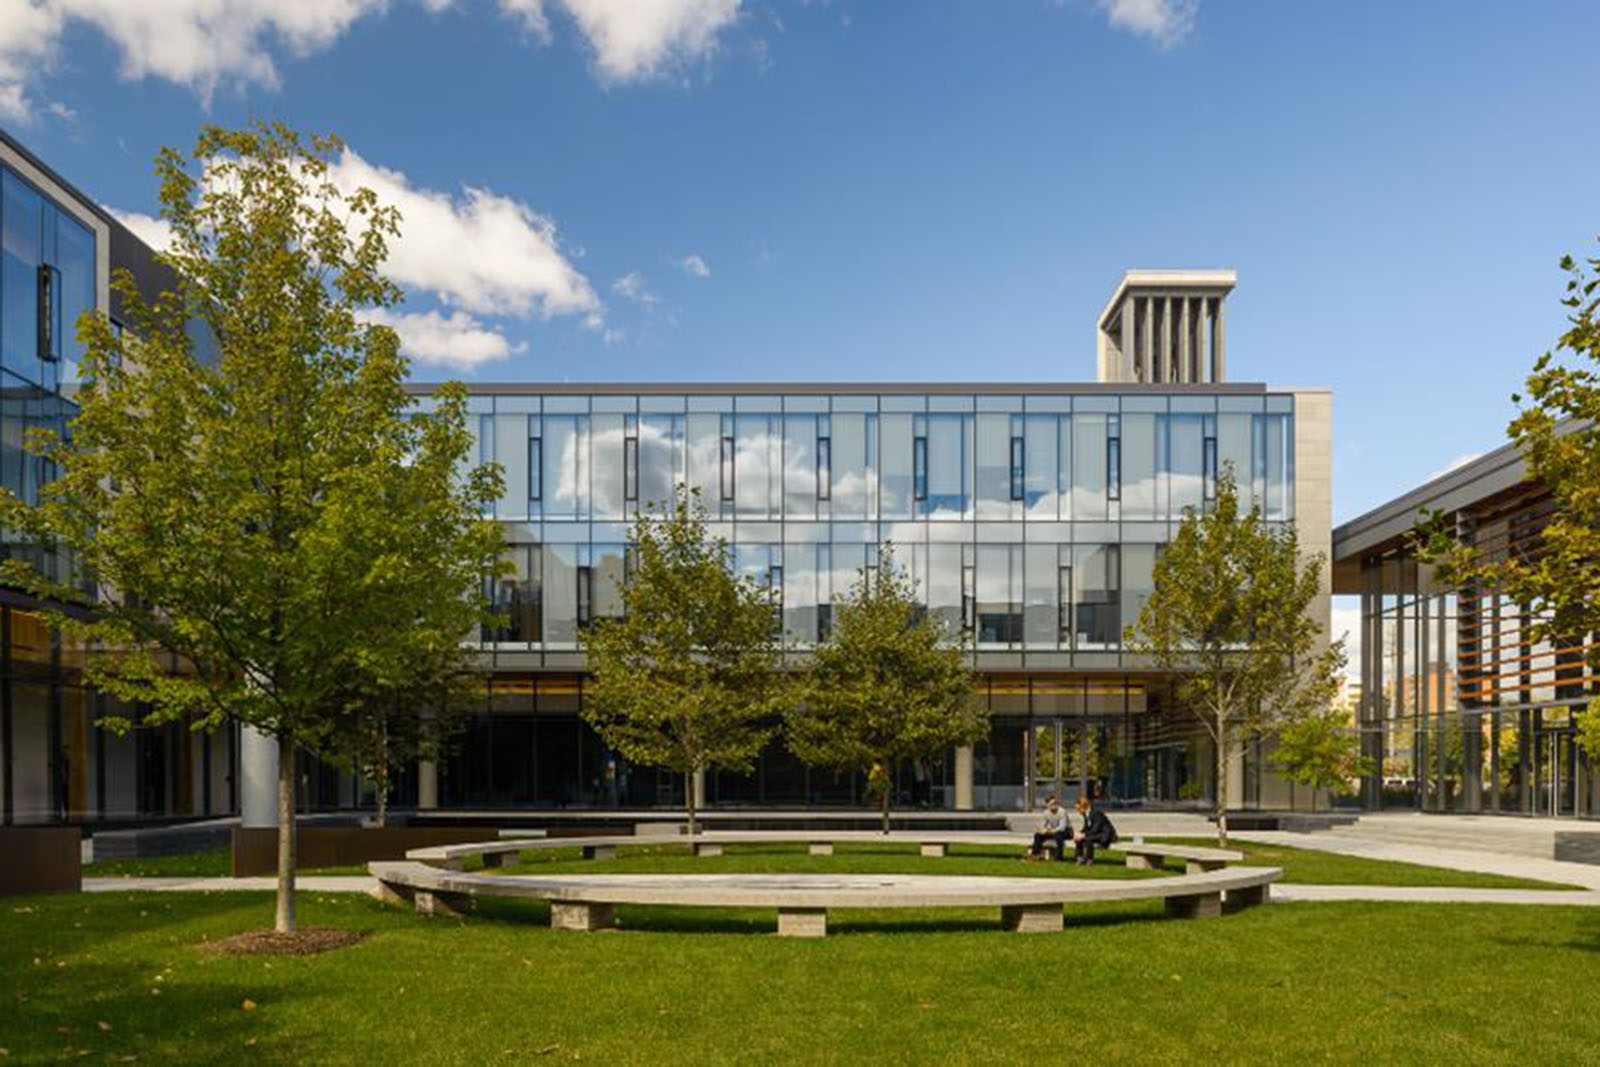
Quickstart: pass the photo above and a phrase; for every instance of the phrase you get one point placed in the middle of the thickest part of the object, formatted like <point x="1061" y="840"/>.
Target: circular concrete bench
<point x="818" y="842"/>
<point x="1029" y="905"/>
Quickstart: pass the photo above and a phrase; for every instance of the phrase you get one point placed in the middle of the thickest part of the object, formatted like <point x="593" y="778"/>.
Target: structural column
<point x="427" y="784"/>
<point x="258" y="778"/>
<point x="964" y="778"/>
<point x="1218" y="345"/>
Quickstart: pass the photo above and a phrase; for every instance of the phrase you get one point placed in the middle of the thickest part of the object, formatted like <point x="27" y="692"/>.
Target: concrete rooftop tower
<point x="1164" y="327"/>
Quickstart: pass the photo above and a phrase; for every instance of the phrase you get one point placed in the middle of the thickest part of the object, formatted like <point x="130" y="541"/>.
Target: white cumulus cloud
<point x="157" y="233"/>
<point x="207" y="44"/>
<point x="632" y="286"/>
<point x="477" y="253"/>
<point x="1165" y="22"/>
<point x="487" y="253"/>
<point x="457" y="339"/>
<point x="695" y="266"/>
<point x="637" y="40"/>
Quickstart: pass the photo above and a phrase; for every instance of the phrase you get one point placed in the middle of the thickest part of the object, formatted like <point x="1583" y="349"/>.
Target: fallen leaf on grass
<point x="103" y="1025"/>
<point x="248" y="1005"/>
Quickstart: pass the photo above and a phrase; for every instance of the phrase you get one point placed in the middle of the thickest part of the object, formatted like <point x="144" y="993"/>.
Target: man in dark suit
<point x="1097" y="831"/>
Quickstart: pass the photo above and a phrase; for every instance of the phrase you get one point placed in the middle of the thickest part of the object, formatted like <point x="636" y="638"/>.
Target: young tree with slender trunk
<point x="688" y="677"/>
<point x="1558" y="433"/>
<point x="279" y="534"/>
<point x="1319" y="750"/>
<point x="1228" y="618"/>
<point x="888" y="684"/>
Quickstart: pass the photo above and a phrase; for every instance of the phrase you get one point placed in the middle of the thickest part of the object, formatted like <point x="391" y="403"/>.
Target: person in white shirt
<point x="1053" y="826"/>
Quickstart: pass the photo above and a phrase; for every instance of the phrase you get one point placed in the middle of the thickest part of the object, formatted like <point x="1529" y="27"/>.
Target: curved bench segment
<point x="820" y="843"/>
<point x="586" y="901"/>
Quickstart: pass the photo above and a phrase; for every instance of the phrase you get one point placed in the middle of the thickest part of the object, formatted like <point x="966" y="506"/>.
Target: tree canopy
<point x="1320" y="750"/>
<point x="1557" y="430"/>
<point x="281" y="534"/>
<point x="888" y="683"/>
<point x="688" y="677"/>
<point x="1229" y="618"/>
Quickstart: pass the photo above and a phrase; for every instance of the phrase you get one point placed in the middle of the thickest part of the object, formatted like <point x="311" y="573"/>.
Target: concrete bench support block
<point x="599" y="852"/>
<point x="1199" y="906"/>
<point x="1248" y="897"/>
<point x="1032" y="918"/>
<point x="935" y="851"/>
<point x="391" y="894"/>
<point x="1202" y="866"/>
<point x="430" y="902"/>
<point x="802" y="922"/>
<point x="1136" y="861"/>
<point x="706" y="849"/>
<point x="494" y="859"/>
<point x="821" y="848"/>
<point x="575" y="915"/>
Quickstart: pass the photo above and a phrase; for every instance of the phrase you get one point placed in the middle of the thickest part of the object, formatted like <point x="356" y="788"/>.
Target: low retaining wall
<point x="255" y="849"/>
<point x="1578" y="847"/>
<point x="40" y="859"/>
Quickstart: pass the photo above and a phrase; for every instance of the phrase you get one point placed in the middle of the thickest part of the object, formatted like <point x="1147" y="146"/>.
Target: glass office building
<point x="1028" y="516"/>
<point x="57" y="251"/>
<point x="1462" y="710"/>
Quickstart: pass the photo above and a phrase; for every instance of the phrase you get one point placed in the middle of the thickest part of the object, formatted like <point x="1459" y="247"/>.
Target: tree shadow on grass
<point x="119" y="1015"/>
<point x="684" y="920"/>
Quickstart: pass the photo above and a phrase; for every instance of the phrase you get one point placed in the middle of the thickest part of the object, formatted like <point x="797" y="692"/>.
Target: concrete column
<point x="1148" y="338"/>
<point x="258" y="778"/>
<point x="1127" y="338"/>
<point x="1219" y="347"/>
<point x="427" y="784"/>
<point x="1185" y="350"/>
<point x="964" y="778"/>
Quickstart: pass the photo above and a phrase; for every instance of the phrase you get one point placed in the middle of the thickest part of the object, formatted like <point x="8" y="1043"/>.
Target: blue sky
<point x="774" y="190"/>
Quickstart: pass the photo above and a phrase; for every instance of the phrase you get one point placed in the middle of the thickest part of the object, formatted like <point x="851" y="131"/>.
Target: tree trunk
<point x="382" y="774"/>
<point x="689" y="799"/>
<point x="285" y="921"/>
<point x="883" y="801"/>
<point x="1222" y="782"/>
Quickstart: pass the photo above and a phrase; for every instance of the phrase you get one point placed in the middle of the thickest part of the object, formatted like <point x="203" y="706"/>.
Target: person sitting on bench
<point x="1097" y="831"/>
<point x="1053" y="826"/>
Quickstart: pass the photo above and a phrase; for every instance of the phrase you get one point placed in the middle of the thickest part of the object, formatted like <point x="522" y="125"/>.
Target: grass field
<point x="1300" y="866"/>
<point x="107" y="977"/>
<point x="208" y="863"/>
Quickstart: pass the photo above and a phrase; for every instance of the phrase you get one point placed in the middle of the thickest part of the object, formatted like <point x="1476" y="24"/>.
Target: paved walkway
<point x="1457" y="859"/>
<point x="350" y="883"/>
<point x="1418" y="894"/>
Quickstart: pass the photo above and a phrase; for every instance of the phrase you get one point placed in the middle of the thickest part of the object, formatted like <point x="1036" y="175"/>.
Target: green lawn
<point x="209" y="863"/>
<point x="1301" y="866"/>
<point x="1306" y="866"/>
<point x="112" y="976"/>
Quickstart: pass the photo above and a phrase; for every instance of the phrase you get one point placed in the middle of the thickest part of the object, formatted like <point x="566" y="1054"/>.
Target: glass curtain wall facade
<point x="1462" y="708"/>
<point x="56" y="764"/>
<point x="1031" y="519"/>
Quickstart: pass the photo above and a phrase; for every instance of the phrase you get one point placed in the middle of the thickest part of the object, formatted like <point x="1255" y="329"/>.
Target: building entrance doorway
<point x="1061" y="758"/>
<point x="1558" y="772"/>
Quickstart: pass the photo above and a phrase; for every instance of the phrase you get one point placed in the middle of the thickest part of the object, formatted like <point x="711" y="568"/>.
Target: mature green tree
<point x="688" y="677"/>
<point x="1318" y="749"/>
<point x="1229" y="617"/>
<point x="279" y="535"/>
<point x="888" y="684"/>
<point x="1557" y="430"/>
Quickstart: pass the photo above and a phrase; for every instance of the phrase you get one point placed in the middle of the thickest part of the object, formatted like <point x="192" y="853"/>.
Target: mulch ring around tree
<point x="305" y="942"/>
